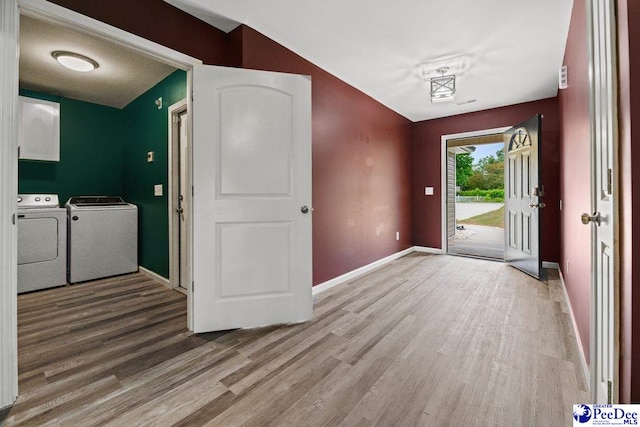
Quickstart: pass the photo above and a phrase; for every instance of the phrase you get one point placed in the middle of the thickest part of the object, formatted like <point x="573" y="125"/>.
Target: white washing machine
<point x="103" y="237"/>
<point x="42" y="242"/>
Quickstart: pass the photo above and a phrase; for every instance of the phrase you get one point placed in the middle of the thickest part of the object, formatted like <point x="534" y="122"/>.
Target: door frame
<point x="52" y="13"/>
<point x="608" y="115"/>
<point x="9" y="21"/>
<point x="172" y="193"/>
<point x="443" y="174"/>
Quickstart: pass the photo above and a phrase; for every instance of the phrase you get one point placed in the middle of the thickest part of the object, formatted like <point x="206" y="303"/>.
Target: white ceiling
<point x="122" y="76"/>
<point x="512" y="48"/>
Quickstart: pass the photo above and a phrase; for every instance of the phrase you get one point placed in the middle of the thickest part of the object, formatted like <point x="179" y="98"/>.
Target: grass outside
<point x="490" y="219"/>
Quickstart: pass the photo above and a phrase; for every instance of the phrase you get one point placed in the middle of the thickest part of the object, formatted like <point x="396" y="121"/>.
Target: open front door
<point x="522" y="196"/>
<point x="252" y="197"/>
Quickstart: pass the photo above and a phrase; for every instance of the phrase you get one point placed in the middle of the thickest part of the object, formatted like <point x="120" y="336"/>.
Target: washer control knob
<point x="19" y="199"/>
<point x="47" y="199"/>
<point x="37" y="199"/>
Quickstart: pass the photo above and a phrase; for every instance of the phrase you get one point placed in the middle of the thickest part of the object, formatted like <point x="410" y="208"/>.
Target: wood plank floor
<point x="427" y="340"/>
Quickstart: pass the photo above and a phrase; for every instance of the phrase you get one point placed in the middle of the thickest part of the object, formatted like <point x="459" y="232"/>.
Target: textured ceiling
<point x="122" y="76"/>
<point x="510" y="49"/>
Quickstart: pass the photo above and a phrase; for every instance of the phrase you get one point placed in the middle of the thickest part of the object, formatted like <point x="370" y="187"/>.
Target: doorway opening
<point x="178" y="195"/>
<point x="93" y="159"/>
<point x="472" y="210"/>
<point x="118" y="113"/>
<point x="475" y="196"/>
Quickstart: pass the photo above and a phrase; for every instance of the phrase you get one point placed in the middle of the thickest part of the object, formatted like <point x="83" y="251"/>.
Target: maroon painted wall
<point x="629" y="117"/>
<point x="361" y="164"/>
<point x="160" y="22"/>
<point x="575" y="178"/>
<point x="427" y="154"/>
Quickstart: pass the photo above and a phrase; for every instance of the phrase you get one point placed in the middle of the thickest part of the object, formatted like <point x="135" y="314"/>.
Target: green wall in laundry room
<point x="91" y="141"/>
<point x="147" y="130"/>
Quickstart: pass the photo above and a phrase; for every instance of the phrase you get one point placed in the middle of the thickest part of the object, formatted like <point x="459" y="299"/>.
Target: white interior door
<point x="522" y="195"/>
<point x="604" y="329"/>
<point x="252" y="196"/>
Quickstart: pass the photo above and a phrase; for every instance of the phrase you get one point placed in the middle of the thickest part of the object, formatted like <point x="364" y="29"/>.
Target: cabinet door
<point x="39" y="129"/>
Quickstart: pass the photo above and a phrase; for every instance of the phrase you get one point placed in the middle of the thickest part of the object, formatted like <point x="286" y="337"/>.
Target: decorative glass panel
<point x="519" y="139"/>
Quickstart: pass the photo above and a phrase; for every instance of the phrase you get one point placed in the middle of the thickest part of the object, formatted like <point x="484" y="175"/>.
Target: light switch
<point x="150" y="157"/>
<point x="157" y="190"/>
<point x="428" y="191"/>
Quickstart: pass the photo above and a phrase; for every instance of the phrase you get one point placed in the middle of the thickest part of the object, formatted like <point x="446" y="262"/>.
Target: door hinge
<point x="18" y="151"/>
<point x="192" y="191"/>
<point x="609" y="181"/>
<point x="609" y="392"/>
<point x="192" y="286"/>
<point x="14" y="219"/>
<point x="175" y="120"/>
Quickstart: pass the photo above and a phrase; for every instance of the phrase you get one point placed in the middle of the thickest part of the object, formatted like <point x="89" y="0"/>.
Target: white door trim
<point x="9" y="22"/>
<point x="443" y="174"/>
<point x="172" y="192"/>
<point x="52" y="13"/>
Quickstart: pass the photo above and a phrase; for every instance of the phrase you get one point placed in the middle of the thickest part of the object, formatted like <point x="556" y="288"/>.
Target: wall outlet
<point x="157" y="190"/>
<point x="150" y="157"/>
<point x="428" y="191"/>
<point x="397" y="235"/>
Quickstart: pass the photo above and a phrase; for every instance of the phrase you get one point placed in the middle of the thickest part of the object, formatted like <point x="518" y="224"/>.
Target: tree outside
<point x="464" y="169"/>
<point x="486" y="174"/>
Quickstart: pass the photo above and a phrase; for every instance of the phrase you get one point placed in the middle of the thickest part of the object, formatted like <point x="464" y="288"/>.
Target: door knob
<point x="537" y="205"/>
<point x="304" y="209"/>
<point x="586" y="218"/>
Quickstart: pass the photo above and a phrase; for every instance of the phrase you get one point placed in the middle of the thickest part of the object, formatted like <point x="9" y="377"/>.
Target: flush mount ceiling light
<point x="75" y="61"/>
<point x="443" y="88"/>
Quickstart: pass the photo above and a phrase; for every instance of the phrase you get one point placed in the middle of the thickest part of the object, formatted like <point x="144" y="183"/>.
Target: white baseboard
<point x="359" y="271"/>
<point x="576" y="331"/>
<point x="155" y="276"/>
<point x="551" y="265"/>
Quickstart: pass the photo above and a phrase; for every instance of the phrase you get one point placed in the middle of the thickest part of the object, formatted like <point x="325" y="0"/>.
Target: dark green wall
<point x="91" y="141"/>
<point x="147" y="130"/>
<point x="103" y="150"/>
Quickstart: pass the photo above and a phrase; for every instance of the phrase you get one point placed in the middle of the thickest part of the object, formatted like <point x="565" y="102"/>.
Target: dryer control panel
<point x="34" y="201"/>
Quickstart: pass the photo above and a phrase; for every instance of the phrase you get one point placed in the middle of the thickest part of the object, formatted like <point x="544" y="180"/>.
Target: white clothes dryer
<point x="42" y="242"/>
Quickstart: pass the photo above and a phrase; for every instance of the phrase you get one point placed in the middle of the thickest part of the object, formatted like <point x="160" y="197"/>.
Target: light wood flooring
<point x="426" y="341"/>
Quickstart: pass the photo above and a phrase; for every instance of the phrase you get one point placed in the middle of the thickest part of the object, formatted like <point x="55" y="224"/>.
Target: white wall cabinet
<point x="39" y="129"/>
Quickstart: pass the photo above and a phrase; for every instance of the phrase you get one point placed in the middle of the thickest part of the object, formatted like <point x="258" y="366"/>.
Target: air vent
<point x="563" y="81"/>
